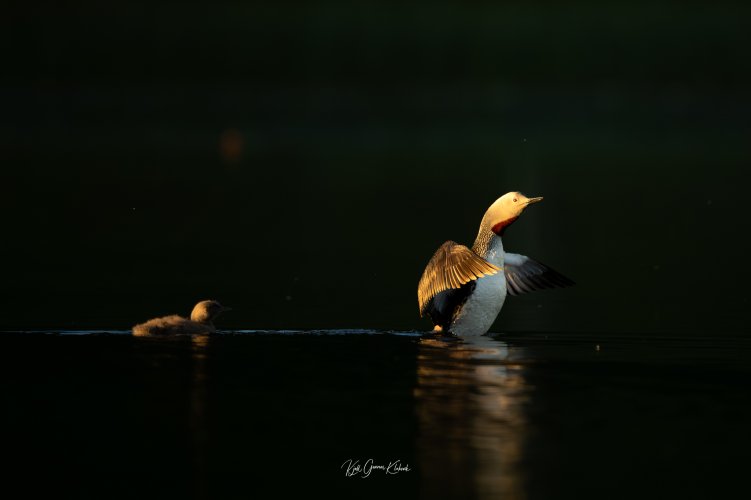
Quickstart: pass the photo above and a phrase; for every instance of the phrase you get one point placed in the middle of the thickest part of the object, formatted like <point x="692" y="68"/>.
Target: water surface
<point x="244" y="413"/>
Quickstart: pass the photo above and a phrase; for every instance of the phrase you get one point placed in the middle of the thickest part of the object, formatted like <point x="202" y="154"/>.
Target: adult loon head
<point x="505" y="210"/>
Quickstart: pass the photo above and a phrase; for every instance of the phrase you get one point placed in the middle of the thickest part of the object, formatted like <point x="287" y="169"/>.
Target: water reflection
<point x="470" y="396"/>
<point x="198" y="424"/>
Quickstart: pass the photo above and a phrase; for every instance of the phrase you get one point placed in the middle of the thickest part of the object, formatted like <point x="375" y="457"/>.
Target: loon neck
<point x="199" y="318"/>
<point x="488" y="245"/>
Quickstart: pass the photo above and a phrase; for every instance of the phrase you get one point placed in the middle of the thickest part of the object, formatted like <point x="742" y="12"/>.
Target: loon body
<point x="201" y="321"/>
<point x="463" y="289"/>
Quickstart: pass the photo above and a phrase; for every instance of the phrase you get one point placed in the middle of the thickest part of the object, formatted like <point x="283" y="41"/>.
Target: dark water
<point x="252" y="414"/>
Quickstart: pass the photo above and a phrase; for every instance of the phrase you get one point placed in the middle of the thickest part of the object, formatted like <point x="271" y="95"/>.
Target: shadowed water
<point x="244" y="413"/>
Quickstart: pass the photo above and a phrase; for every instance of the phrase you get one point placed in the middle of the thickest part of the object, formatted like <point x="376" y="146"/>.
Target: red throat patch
<point x="501" y="226"/>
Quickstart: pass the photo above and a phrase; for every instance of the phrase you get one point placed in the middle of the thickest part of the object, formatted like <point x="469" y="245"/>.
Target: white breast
<point x="482" y="307"/>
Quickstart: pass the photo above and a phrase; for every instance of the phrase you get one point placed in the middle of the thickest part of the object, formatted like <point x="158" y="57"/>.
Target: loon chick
<point x="200" y="322"/>
<point x="462" y="290"/>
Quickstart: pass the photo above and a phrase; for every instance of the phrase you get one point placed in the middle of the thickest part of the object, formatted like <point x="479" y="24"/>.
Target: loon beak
<point x="533" y="200"/>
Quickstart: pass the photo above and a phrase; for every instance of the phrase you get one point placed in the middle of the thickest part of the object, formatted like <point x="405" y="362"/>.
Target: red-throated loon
<point x="201" y="321"/>
<point x="463" y="291"/>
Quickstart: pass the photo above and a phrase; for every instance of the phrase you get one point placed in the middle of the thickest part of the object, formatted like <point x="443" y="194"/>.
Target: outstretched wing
<point x="524" y="275"/>
<point x="451" y="266"/>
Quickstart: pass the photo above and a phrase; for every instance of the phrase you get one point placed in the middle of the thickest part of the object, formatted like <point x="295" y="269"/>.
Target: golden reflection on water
<point x="470" y="396"/>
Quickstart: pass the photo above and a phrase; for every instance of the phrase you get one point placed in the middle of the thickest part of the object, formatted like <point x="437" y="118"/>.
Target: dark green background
<point x="370" y="134"/>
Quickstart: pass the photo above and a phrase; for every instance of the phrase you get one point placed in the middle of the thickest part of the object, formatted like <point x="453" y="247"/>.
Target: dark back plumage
<point x="446" y="304"/>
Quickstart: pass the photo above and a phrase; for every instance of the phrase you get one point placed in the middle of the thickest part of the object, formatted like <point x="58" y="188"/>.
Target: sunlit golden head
<point x="206" y="311"/>
<point x="506" y="209"/>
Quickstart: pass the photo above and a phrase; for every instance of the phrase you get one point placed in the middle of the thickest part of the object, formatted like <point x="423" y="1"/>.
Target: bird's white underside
<point x="482" y="307"/>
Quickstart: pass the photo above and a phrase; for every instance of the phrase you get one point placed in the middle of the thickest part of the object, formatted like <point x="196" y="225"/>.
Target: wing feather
<point x="452" y="266"/>
<point x="525" y="275"/>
